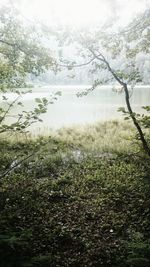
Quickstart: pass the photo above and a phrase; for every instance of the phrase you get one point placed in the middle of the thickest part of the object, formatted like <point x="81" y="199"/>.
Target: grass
<point x="111" y="137"/>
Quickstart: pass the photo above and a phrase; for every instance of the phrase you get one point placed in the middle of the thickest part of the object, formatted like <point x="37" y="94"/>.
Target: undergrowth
<point x="80" y="200"/>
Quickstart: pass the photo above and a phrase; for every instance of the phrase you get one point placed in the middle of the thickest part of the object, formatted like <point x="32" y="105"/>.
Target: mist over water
<point x="68" y="110"/>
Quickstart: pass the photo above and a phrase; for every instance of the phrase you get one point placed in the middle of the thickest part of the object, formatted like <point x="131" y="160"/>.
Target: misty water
<point x="68" y="110"/>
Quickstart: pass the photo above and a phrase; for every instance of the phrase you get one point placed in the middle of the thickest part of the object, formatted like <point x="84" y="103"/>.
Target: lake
<point x="68" y="110"/>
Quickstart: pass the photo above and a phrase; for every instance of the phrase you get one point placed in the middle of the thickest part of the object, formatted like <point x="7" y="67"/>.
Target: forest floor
<point x="79" y="198"/>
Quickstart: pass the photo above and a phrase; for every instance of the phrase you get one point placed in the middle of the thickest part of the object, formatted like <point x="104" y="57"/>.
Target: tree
<point x="22" y="52"/>
<point x="116" y="53"/>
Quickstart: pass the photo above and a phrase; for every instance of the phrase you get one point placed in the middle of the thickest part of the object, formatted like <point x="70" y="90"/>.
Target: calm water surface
<point x="68" y="110"/>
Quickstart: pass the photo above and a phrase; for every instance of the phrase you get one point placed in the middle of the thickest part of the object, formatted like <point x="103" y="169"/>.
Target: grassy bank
<point x="81" y="198"/>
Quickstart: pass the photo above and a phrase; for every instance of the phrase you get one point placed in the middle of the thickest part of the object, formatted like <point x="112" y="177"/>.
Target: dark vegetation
<point x="77" y="199"/>
<point x="67" y="207"/>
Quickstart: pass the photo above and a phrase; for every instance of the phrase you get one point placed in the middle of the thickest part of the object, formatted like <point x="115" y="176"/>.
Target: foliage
<point x="139" y="251"/>
<point x="142" y="119"/>
<point x="24" y="118"/>
<point x="22" y="52"/>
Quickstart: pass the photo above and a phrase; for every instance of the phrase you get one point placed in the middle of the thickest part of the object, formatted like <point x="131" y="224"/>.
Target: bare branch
<point x="12" y="168"/>
<point x="77" y="65"/>
<point x="16" y="165"/>
<point x="101" y="58"/>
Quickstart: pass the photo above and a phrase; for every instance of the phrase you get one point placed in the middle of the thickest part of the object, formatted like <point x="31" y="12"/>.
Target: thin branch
<point x="16" y="165"/>
<point x="9" y="107"/>
<point x="21" y="161"/>
<point x="100" y="57"/>
<point x="77" y="65"/>
<point x="15" y="45"/>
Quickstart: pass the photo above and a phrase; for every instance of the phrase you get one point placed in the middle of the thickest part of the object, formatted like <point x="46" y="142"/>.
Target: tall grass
<point x="107" y="137"/>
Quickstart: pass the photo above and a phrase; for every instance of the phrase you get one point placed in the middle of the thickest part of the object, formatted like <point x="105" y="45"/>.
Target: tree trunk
<point x="138" y="127"/>
<point x="131" y="113"/>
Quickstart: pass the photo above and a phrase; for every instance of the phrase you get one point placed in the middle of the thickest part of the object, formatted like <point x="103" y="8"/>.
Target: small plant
<point x="139" y="251"/>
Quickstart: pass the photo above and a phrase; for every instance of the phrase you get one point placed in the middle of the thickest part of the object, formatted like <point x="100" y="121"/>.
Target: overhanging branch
<point x="77" y="65"/>
<point x="15" y="45"/>
<point x="101" y="58"/>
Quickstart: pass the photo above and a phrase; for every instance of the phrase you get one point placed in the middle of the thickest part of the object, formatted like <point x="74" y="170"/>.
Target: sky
<point x="78" y="12"/>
